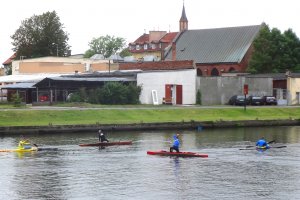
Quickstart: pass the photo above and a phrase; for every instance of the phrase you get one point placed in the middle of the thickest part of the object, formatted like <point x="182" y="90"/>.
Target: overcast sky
<point x="128" y="19"/>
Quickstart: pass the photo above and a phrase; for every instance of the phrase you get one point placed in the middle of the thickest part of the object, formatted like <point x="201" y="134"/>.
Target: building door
<point x="179" y="94"/>
<point x="168" y="91"/>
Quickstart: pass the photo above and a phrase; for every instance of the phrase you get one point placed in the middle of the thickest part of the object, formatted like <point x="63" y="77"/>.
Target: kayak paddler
<point x="102" y="137"/>
<point x="262" y="143"/>
<point x="176" y="144"/>
<point x="24" y="144"/>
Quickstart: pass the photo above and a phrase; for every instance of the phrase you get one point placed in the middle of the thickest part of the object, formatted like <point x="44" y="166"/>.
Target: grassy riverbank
<point x="29" y="117"/>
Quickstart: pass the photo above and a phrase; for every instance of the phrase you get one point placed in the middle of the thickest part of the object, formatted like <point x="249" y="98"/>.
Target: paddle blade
<point x="246" y="149"/>
<point x="279" y="147"/>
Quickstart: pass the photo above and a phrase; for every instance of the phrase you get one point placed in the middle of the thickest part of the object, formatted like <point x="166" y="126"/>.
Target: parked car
<point x="269" y="100"/>
<point x="255" y="100"/>
<point x="43" y="98"/>
<point x="237" y="100"/>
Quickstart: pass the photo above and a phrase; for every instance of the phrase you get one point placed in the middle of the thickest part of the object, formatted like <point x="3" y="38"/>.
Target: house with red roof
<point x="7" y="64"/>
<point x="150" y="47"/>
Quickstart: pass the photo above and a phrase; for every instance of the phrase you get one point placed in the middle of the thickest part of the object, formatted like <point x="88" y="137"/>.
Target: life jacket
<point x="176" y="142"/>
<point x="23" y="144"/>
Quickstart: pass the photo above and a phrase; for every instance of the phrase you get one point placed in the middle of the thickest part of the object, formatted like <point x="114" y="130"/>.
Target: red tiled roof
<point x="10" y="59"/>
<point x="169" y="37"/>
<point x="161" y="65"/>
<point x="142" y="39"/>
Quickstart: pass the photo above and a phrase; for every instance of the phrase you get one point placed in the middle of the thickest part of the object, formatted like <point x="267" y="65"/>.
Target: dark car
<point x="255" y="100"/>
<point x="269" y="100"/>
<point x="237" y="100"/>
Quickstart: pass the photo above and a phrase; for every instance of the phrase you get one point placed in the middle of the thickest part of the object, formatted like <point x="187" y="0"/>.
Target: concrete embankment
<point x="192" y="125"/>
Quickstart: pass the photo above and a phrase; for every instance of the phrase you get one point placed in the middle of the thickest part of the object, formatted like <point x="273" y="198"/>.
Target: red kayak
<point x="106" y="144"/>
<point x="180" y="154"/>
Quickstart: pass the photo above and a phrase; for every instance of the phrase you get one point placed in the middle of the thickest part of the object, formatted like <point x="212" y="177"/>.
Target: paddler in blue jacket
<point x="261" y="143"/>
<point x="176" y="144"/>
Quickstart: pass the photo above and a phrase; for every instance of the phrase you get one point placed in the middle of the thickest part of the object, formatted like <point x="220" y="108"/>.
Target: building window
<point x="199" y="72"/>
<point x="145" y="46"/>
<point x="232" y="69"/>
<point x="153" y="46"/>
<point x="137" y="47"/>
<point x="160" y="45"/>
<point x="215" y="72"/>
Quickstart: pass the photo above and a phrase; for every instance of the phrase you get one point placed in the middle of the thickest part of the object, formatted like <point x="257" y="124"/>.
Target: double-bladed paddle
<point x="272" y="141"/>
<point x="278" y="147"/>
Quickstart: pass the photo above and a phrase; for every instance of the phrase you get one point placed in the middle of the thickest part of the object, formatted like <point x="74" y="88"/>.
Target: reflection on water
<point x="127" y="172"/>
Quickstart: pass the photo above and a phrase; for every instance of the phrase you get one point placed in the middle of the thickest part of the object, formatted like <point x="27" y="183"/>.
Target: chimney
<point x="173" y="51"/>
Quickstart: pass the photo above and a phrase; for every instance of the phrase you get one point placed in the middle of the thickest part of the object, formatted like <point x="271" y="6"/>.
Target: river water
<point x="127" y="172"/>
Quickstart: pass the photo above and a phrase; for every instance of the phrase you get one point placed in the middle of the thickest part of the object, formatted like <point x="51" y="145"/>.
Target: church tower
<point x="183" y="23"/>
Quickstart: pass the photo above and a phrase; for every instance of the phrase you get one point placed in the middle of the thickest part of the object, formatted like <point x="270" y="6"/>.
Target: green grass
<point x="27" y="117"/>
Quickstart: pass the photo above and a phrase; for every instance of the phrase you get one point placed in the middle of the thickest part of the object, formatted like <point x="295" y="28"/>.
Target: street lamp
<point x="56" y="48"/>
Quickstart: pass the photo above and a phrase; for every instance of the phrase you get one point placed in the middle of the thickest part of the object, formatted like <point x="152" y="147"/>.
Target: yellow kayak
<point x="19" y="150"/>
<point x="24" y="146"/>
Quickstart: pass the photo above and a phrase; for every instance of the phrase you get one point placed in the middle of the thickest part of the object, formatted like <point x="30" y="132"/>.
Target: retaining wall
<point x="21" y="130"/>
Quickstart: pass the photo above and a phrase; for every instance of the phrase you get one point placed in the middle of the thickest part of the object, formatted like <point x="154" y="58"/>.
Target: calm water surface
<point x="127" y="172"/>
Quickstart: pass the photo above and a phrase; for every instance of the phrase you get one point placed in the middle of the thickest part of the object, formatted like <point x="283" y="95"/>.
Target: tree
<point x="125" y="52"/>
<point x="8" y="69"/>
<point x="275" y="52"/>
<point x="41" y="35"/>
<point x="105" y="45"/>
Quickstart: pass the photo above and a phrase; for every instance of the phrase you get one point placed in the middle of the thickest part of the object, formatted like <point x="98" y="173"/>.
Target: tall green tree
<point x="105" y="45"/>
<point x="41" y="35"/>
<point x="275" y="52"/>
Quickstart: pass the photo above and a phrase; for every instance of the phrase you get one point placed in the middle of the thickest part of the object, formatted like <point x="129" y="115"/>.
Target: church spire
<point x="183" y="23"/>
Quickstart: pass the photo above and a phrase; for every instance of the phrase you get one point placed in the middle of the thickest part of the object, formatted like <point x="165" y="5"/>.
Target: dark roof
<point x="91" y="79"/>
<point x="160" y="65"/>
<point x="24" y="85"/>
<point x="218" y="45"/>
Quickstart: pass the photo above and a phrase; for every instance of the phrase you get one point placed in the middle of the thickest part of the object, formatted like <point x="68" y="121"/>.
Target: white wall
<point x="293" y="86"/>
<point x="157" y="81"/>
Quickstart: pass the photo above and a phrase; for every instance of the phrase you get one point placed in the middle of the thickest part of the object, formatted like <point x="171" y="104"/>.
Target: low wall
<point x="21" y="130"/>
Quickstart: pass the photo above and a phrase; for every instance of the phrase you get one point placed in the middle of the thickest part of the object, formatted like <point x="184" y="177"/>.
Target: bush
<point x="198" y="98"/>
<point x="113" y="93"/>
<point x="133" y="94"/>
<point x="110" y="93"/>
<point x="17" y="100"/>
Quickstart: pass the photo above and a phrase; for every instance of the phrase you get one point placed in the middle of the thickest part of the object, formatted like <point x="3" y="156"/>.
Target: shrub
<point x="110" y="93"/>
<point x="198" y="98"/>
<point x="16" y="99"/>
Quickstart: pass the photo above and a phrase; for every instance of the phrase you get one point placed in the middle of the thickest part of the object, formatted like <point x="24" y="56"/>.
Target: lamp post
<point x="56" y="48"/>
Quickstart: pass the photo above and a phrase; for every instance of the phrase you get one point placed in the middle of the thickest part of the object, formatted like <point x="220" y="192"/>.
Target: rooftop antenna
<point x="169" y="28"/>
